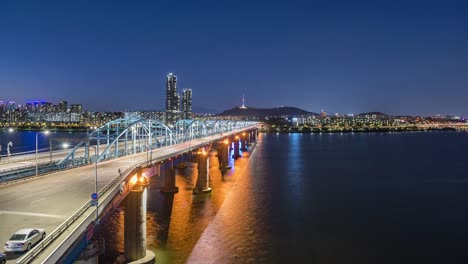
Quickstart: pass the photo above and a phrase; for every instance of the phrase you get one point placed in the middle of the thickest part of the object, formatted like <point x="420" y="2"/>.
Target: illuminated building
<point x="187" y="104"/>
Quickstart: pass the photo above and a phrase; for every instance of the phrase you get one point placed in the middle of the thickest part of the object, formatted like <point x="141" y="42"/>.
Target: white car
<point x="24" y="239"/>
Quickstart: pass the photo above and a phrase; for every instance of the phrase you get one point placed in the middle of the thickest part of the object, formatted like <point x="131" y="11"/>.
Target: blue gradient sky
<point x="398" y="57"/>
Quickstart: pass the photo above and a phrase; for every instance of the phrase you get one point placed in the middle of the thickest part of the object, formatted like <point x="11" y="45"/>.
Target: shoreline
<point x="320" y="131"/>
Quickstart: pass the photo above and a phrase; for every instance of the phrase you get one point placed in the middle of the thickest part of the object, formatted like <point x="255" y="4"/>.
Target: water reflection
<point x="175" y="222"/>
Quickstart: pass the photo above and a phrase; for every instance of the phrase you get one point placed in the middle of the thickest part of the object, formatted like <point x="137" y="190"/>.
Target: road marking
<point x="38" y="200"/>
<point x="30" y="214"/>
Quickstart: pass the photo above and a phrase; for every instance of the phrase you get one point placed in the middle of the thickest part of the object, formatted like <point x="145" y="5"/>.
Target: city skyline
<point x="201" y="110"/>
<point x="395" y="58"/>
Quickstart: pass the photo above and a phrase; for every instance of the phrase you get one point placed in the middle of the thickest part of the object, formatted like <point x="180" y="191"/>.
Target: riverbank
<point x="59" y="129"/>
<point x="358" y="130"/>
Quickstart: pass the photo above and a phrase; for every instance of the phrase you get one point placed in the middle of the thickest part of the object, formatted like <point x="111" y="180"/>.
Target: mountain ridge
<point x="263" y="112"/>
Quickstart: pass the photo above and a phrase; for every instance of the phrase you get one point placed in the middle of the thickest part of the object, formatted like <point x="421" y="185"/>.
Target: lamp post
<point x="10" y="144"/>
<point x="10" y="130"/>
<point x="95" y="185"/>
<point x="37" y="136"/>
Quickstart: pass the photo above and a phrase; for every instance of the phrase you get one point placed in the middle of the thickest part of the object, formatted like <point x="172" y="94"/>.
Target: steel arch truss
<point x="186" y="130"/>
<point x="120" y="137"/>
<point x="131" y="135"/>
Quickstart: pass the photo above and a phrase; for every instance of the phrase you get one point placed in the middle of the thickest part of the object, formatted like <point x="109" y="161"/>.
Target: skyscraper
<point x="172" y="99"/>
<point x="187" y="104"/>
<point x="63" y="106"/>
<point x="76" y="108"/>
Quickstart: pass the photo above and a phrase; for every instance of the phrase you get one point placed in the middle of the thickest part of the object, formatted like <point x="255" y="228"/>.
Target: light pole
<point x="95" y="185"/>
<point x="37" y="136"/>
<point x="10" y="130"/>
<point x="10" y="144"/>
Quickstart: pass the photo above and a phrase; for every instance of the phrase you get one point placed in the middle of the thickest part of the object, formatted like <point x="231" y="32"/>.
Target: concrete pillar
<point x="135" y="224"/>
<point x="236" y="153"/>
<point x="223" y="155"/>
<point x="213" y="159"/>
<point x="169" y="178"/>
<point x="243" y="139"/>
<point x="203" y="181"/>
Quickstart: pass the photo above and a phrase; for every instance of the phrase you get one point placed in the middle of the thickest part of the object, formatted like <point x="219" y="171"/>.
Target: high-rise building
<point x="172" y="99"/>
<point x="187" y="104"/>
<point x="63" y="106"/>
<point x="76" y="108"/>
<point x="323" y="114"/>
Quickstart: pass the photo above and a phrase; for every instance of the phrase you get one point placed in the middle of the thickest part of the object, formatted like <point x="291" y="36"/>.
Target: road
<point x="29" y="160"/>
<point x="48" y="201"/>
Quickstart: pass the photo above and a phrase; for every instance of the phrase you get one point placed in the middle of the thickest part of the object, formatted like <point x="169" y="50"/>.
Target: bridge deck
<point x="48" y="201"/>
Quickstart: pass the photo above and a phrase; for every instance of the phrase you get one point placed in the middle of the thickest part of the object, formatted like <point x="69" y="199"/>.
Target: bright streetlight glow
<point x="65" y="145"/>
<point x="37" y="136"/>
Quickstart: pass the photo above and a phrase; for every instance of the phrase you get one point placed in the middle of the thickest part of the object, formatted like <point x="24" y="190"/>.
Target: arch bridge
<point x="130" y="135"/>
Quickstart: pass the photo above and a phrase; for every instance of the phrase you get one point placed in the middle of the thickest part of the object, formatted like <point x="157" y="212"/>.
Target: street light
<point x="37" y="136"/>
<point x="10" y="130"/>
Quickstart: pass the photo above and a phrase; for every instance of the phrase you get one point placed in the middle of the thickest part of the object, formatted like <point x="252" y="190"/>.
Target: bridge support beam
<point x="244" y="140"/>
<point x="253" y="134"/>
<point x="169" y="178"/>
<point x="135" y="226"/>
<point x="236" y="153"/>
<point x="213" y="159"/>
<point x="223" y="155"/>
<point x="203" y="181"/>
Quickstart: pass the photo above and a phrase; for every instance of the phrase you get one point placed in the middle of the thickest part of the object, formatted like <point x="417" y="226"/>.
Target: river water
<point x="319" y="198"/>
<point x="25" y="141"/>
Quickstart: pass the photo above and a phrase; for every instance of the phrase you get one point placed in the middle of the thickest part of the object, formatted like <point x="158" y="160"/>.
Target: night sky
<point x="397" y="57"/>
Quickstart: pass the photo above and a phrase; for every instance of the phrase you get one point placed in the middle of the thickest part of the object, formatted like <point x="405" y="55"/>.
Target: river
<point x="319" y="198"/>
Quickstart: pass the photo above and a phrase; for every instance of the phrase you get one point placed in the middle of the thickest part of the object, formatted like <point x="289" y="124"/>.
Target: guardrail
<point x="36" y="250"/>
<point x="27" y="167"/>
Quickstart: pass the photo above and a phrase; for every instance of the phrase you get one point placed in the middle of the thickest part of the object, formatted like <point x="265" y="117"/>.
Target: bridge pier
<point x="135" y="225"/>
<point x="223" y="155"/>
<point x="169" y="178"/>
<point x="244" y="140"/>
<point x="236" y="153"/>
<point x="203" y="180"/>
<point x="254" y="135"/>
<point x="213" y="158"/>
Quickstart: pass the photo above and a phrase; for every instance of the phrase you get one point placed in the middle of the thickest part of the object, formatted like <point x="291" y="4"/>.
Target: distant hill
<point x="374" y="113"/>
<point x="262" y="112"/>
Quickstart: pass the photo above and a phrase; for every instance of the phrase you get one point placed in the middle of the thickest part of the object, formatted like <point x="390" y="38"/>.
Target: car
<point x="2" y="258"/>
<point x="24" y="239"/>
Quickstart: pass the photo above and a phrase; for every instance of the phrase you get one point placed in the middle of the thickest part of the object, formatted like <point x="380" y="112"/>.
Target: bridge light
<point x="141" y="179"/>
<point x="10" y="130"/>
<point x="46" y="132"/>
<point x="65" y="145"/>
<point x="134" y="179"/>
<point x="237" y="137"/>
<point x="226" y="141"/>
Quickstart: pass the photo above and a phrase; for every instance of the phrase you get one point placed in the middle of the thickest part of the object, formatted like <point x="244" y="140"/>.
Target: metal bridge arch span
<point x="189" y="129"/>
<point x="139" y="133"/>
<point x="131" y="135"/>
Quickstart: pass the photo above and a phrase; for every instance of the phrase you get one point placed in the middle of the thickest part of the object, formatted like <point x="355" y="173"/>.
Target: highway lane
<point x="47" y="201"/>
<point x="29" y="160"/>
